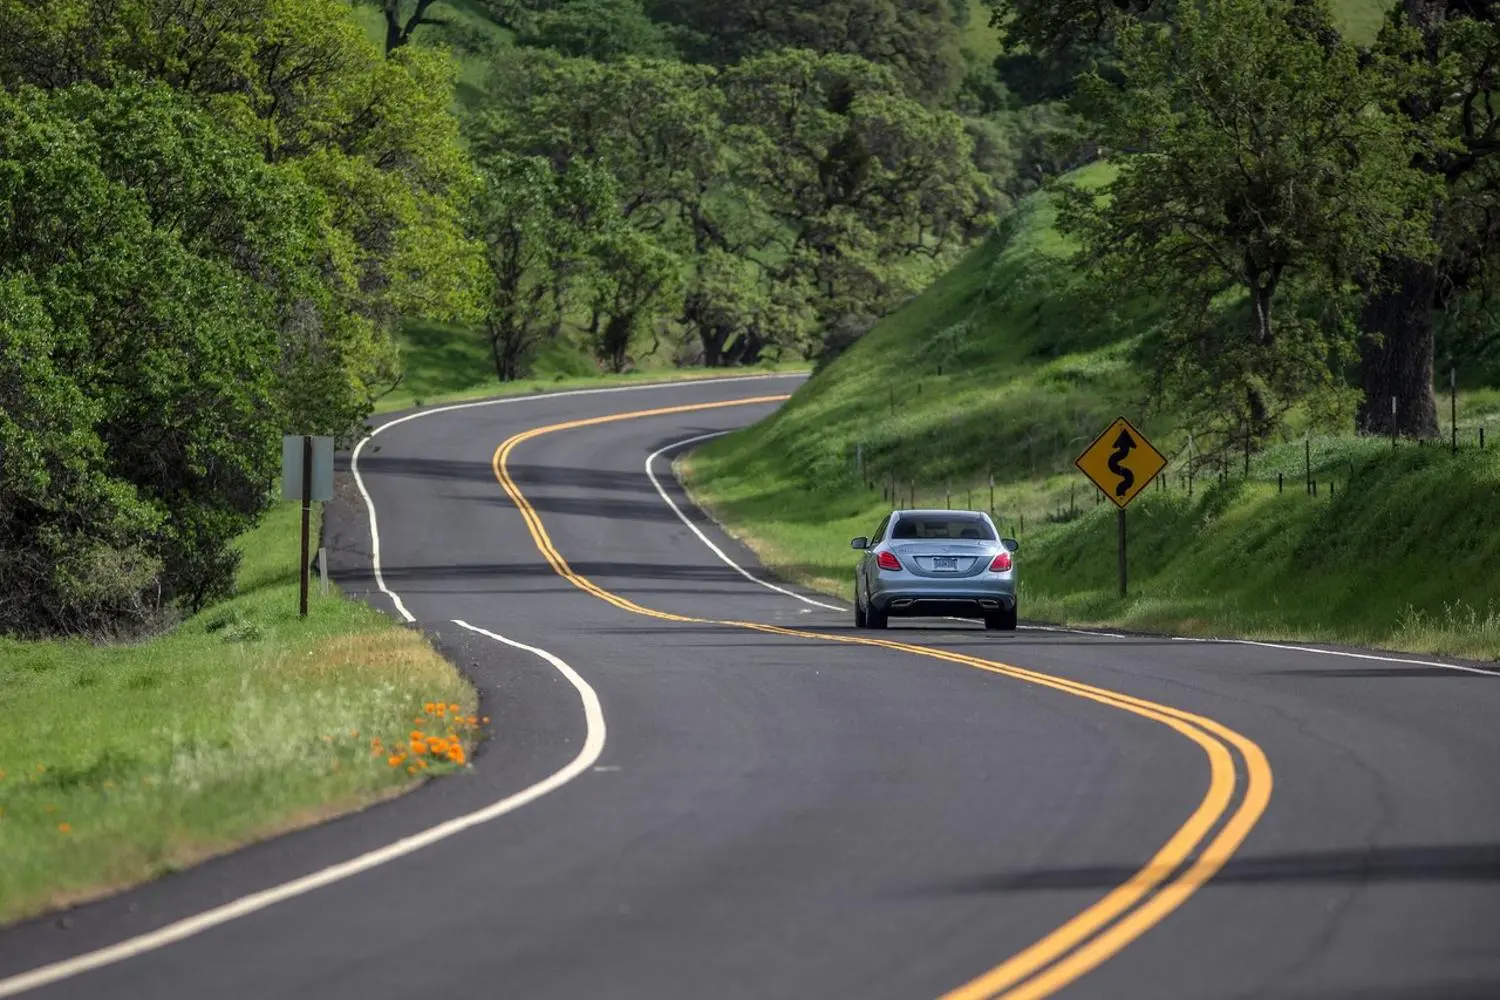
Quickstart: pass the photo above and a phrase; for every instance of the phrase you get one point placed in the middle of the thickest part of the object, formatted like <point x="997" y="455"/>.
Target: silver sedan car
<point x="936" y="563"/>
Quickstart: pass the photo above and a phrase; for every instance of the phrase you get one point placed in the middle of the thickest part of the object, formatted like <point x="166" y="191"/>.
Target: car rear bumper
<point x="916" y="604"/>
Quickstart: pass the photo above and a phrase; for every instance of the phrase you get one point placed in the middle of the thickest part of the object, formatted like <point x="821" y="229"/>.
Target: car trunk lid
<point x="944" y="559"/>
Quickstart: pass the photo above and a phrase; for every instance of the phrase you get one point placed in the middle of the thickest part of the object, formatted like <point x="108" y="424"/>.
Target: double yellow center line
<point x="1195" y="852"/>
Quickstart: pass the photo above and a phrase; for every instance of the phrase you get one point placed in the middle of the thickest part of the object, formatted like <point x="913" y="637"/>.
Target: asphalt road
<point x="769" y="804"/>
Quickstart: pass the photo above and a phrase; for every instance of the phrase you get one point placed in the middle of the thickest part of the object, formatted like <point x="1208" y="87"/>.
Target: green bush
<point x="144" y="257"/>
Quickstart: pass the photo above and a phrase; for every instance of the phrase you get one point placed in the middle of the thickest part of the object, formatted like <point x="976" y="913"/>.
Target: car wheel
<point x="1001" y="621"/>
<point x="860" y="620"/>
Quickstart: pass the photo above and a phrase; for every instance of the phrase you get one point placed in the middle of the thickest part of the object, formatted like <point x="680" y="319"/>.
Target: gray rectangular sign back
<point x="291" y="467"/>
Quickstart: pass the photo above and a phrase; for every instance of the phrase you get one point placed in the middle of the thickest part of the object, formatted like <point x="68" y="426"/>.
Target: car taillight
<point x="1001" y="563"/>
<point x="887" y="560"/>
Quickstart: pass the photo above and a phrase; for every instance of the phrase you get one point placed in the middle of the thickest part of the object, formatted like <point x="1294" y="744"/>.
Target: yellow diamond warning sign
<point x="1121" y="462"/>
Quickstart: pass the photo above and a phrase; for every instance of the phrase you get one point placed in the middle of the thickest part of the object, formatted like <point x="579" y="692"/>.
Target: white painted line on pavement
<point x="1343" y="652"/>
<point x="593" y="746"/>
<point x="359" y="481"/>
<point x="651" y="474"/>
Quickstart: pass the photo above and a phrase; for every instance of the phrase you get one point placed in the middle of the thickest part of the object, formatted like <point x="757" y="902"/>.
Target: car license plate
<point x="945" y="562"/>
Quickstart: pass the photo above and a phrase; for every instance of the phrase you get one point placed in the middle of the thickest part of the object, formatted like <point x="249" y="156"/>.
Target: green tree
<point x="636" y="280"/>
<point x="1441" y="57"/>
<point x="540" y="227"/>
<point x="73" y="539"/>
<point x="150" y="252"/>
<point x="871" y="189"/>
<point x="302" y="81"/>
<point x="1257" y="157"/>
<point x="917" y="39"/>
<point x="604" y="30"/>
<point x="657" y="128"/>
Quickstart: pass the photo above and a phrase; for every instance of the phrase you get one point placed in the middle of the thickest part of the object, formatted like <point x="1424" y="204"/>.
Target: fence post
<point x="1190" y="465"/>
<point x="1453" y="404"/>
<point x="1279" y="486"/>
<point x="1307" y="465"/>
<point x="1393" y="423"/>
<point x="992" y="487"/>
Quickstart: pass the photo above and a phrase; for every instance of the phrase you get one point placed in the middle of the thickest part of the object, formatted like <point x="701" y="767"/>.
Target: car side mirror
<point x="860" y="543"/>
<point x="1010" y="544"/>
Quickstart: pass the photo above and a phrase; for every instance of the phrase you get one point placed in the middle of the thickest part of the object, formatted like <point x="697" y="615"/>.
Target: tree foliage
<point x="1254" y="160"/>
<point x="786" y="191"/>
<point x="145" y="252"/>
<point x="916" y="39"/>
<point x="216" y="214"/>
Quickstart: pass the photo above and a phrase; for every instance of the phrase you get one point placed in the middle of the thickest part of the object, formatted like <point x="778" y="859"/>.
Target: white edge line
<point x="1348" y="654"/>
<point x="359" y="481"/>
<point x="651" y="474"/>
<point x="593" y="746"/>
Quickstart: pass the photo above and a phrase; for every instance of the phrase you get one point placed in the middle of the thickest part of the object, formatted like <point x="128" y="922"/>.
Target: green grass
<point x="443" y="364"/>
<point x="121" y="763"/>
<point x="460" y="16"/>
<point x="1360" y="20"/>
<point x="1008" y="367"/>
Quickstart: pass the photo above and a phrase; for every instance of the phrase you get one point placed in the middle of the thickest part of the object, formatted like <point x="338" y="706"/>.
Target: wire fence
<point x="1317" y="467"/>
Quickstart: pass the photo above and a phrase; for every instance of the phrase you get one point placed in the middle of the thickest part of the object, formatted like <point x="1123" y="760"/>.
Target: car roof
<point x="939" y="513"/>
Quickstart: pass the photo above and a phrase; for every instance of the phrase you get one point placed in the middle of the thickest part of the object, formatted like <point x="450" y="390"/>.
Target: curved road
<point x="702" y="785"/>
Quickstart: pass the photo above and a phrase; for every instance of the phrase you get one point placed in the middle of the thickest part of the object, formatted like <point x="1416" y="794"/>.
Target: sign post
<point x="306" y="475"/>
<point x="1120" y="521"/>
<point x="1121" y="463"/>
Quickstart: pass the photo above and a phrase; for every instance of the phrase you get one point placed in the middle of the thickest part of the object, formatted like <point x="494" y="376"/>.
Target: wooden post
<point x="1453" y="403"/>
<point x="307" y="457"/>
<point x="1120" y="519"/>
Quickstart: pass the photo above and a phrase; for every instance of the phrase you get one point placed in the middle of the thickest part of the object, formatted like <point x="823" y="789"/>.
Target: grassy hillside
<point x="1360" y="19"/>
<point x="444" y="364"/>
<point x="466" y="28"/>
<point x="120" y="763"/>
<point x="1008" y="367"/>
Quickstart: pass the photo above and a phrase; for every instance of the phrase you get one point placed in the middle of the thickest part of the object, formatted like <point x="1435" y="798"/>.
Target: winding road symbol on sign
<point x="1124" y="445"/>
<point x="1121" y="462"/>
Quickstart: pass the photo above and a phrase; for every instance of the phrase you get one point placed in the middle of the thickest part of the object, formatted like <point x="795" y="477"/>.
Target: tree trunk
<point x="614" y="343"/>
<point x="1262" y="334"/>
<point x="745" y="350"/>
<point x="713" y="337"/>
<point x="1396" y="352"/>
<point x="394" y="37"/>
<point x="498" y="352"/>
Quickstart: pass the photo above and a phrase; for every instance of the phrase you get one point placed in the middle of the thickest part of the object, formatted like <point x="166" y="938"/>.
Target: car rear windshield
<point x="926" y="526"/>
